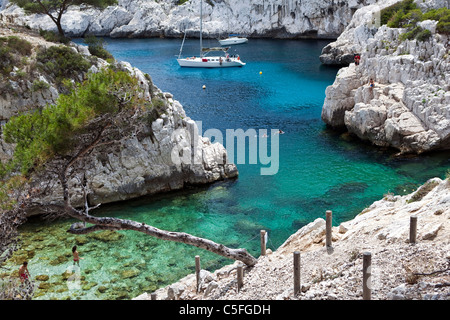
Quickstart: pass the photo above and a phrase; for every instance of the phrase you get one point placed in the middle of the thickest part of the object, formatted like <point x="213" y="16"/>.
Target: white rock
<point x="154" y="18"/>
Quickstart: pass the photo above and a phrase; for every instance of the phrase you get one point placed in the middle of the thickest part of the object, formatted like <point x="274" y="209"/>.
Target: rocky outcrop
<point x="362" y="27"/>
<point x="163" y="150"/>
<point x="409" y="106"/>
<point x="353" y="39"/>
<point x="149" y="162"/>
<point x="144" y="18"/>
<point x="399" y="271"/>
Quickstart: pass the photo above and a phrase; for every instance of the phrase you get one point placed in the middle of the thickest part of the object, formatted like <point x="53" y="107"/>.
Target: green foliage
<point x="18" y="45"/>
<point x="404" y="20"/>
<point x="39" y="85"/>
<point x="40" y="135"/>
<point x="388" y="13"/>
<point x="443" y="25"/>
<point x="61" y="62"/>
<point x="96" y="47"/>
<point x="53" y="37"/>
<point x="416" y="33"/>
<point x="412" y="18"/>
<point x="436" y="14"/>
<point x="405" y="14"/>
<point x="396" y="20"/>
<point x="423" y="35"/>
<point x="45" y="6"/>
<point x="12" y="50"/>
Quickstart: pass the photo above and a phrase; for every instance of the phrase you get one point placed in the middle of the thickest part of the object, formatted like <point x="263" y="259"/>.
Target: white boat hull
<point x="231" y="41"/>
<point x="210" y="62"/>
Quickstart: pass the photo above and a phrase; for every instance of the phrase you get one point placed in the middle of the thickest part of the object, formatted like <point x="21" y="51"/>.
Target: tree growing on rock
<point x="52" y="144"/>
<point x="56" y="8"/>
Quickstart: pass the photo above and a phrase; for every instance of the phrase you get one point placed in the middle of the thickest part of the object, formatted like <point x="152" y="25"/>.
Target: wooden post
<point x="413" y="229"/>
<point x="328" y="225"/>
<point x="367" y="273"/>
<point x="240" y="276"/>
<point x="296" y="272"/>
<point x="197" y="271"/>
<point x="153" y="296"/>
<point x="263" y="242"/>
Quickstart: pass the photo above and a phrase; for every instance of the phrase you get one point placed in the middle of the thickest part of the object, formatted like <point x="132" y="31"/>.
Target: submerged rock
<point x="107" y="236"/>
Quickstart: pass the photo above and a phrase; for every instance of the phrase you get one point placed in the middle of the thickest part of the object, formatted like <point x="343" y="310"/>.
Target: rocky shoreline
<point x="400" y="270"/>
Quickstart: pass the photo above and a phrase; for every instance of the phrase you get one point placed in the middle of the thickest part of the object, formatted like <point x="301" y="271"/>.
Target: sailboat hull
<point x="210" y="62"/>
<point x="232" y="40"/>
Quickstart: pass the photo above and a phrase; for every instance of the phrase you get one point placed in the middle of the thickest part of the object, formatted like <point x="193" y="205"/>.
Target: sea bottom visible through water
<point x="282" y="86"/>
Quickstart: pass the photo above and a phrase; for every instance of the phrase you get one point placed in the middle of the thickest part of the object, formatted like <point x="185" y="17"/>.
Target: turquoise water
<point x="281" y="87"/>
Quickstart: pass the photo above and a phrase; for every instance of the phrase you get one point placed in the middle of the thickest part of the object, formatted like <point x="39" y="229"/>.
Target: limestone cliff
<point x="148" y="18"/>
<point x="409" y="106"/>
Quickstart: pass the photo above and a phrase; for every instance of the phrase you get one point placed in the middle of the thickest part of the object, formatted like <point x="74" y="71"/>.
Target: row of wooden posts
<point x="367" y="260"/>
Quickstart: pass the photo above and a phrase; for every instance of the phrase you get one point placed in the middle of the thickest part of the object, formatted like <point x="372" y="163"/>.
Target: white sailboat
<point x="205" y="60"/>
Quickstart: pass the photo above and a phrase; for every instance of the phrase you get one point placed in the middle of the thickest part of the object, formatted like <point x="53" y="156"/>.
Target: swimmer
<point x="23" y="272"/>
<point x="76" y="257"/>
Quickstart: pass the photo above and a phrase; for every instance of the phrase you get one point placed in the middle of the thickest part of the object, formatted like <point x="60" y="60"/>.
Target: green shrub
<point x="61" y="62"/>
<point x="12" y="51"/>
<point x="417" y="33"/>
<point x="423" y="35"/>
<point x="443" y="25"/>
<point x="39" y="85"/>
<point x="6" y="60"/>
<point x="405" y="14"/>
<point x="20" y="46"/>
<point x="436" y="14"/>
<point x="404" y="20"/>
<point x="96" y="47"/>
<point x="410" y="35"/>
<point x="40" y="135"/>
<point x="389" y="12"/>
<point x="397" y="18"/>
<point x="53" y="37"/>
<point x="412" y="18"/>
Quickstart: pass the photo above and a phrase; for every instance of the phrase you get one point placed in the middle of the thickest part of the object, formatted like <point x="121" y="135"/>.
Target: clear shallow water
<point x="319" y="170"/>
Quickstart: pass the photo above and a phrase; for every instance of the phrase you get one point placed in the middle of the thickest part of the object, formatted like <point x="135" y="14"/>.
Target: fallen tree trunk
<point x="108" y="223"/>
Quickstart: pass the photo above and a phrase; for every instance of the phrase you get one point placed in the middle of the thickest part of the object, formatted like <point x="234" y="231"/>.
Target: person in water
<point x="371" y="83"/>
<point x="23" y="272"/>
<point x="76" y="256"/>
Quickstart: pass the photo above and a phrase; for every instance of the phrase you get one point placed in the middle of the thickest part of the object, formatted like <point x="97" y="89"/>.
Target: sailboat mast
<point x="201" y="22"/>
